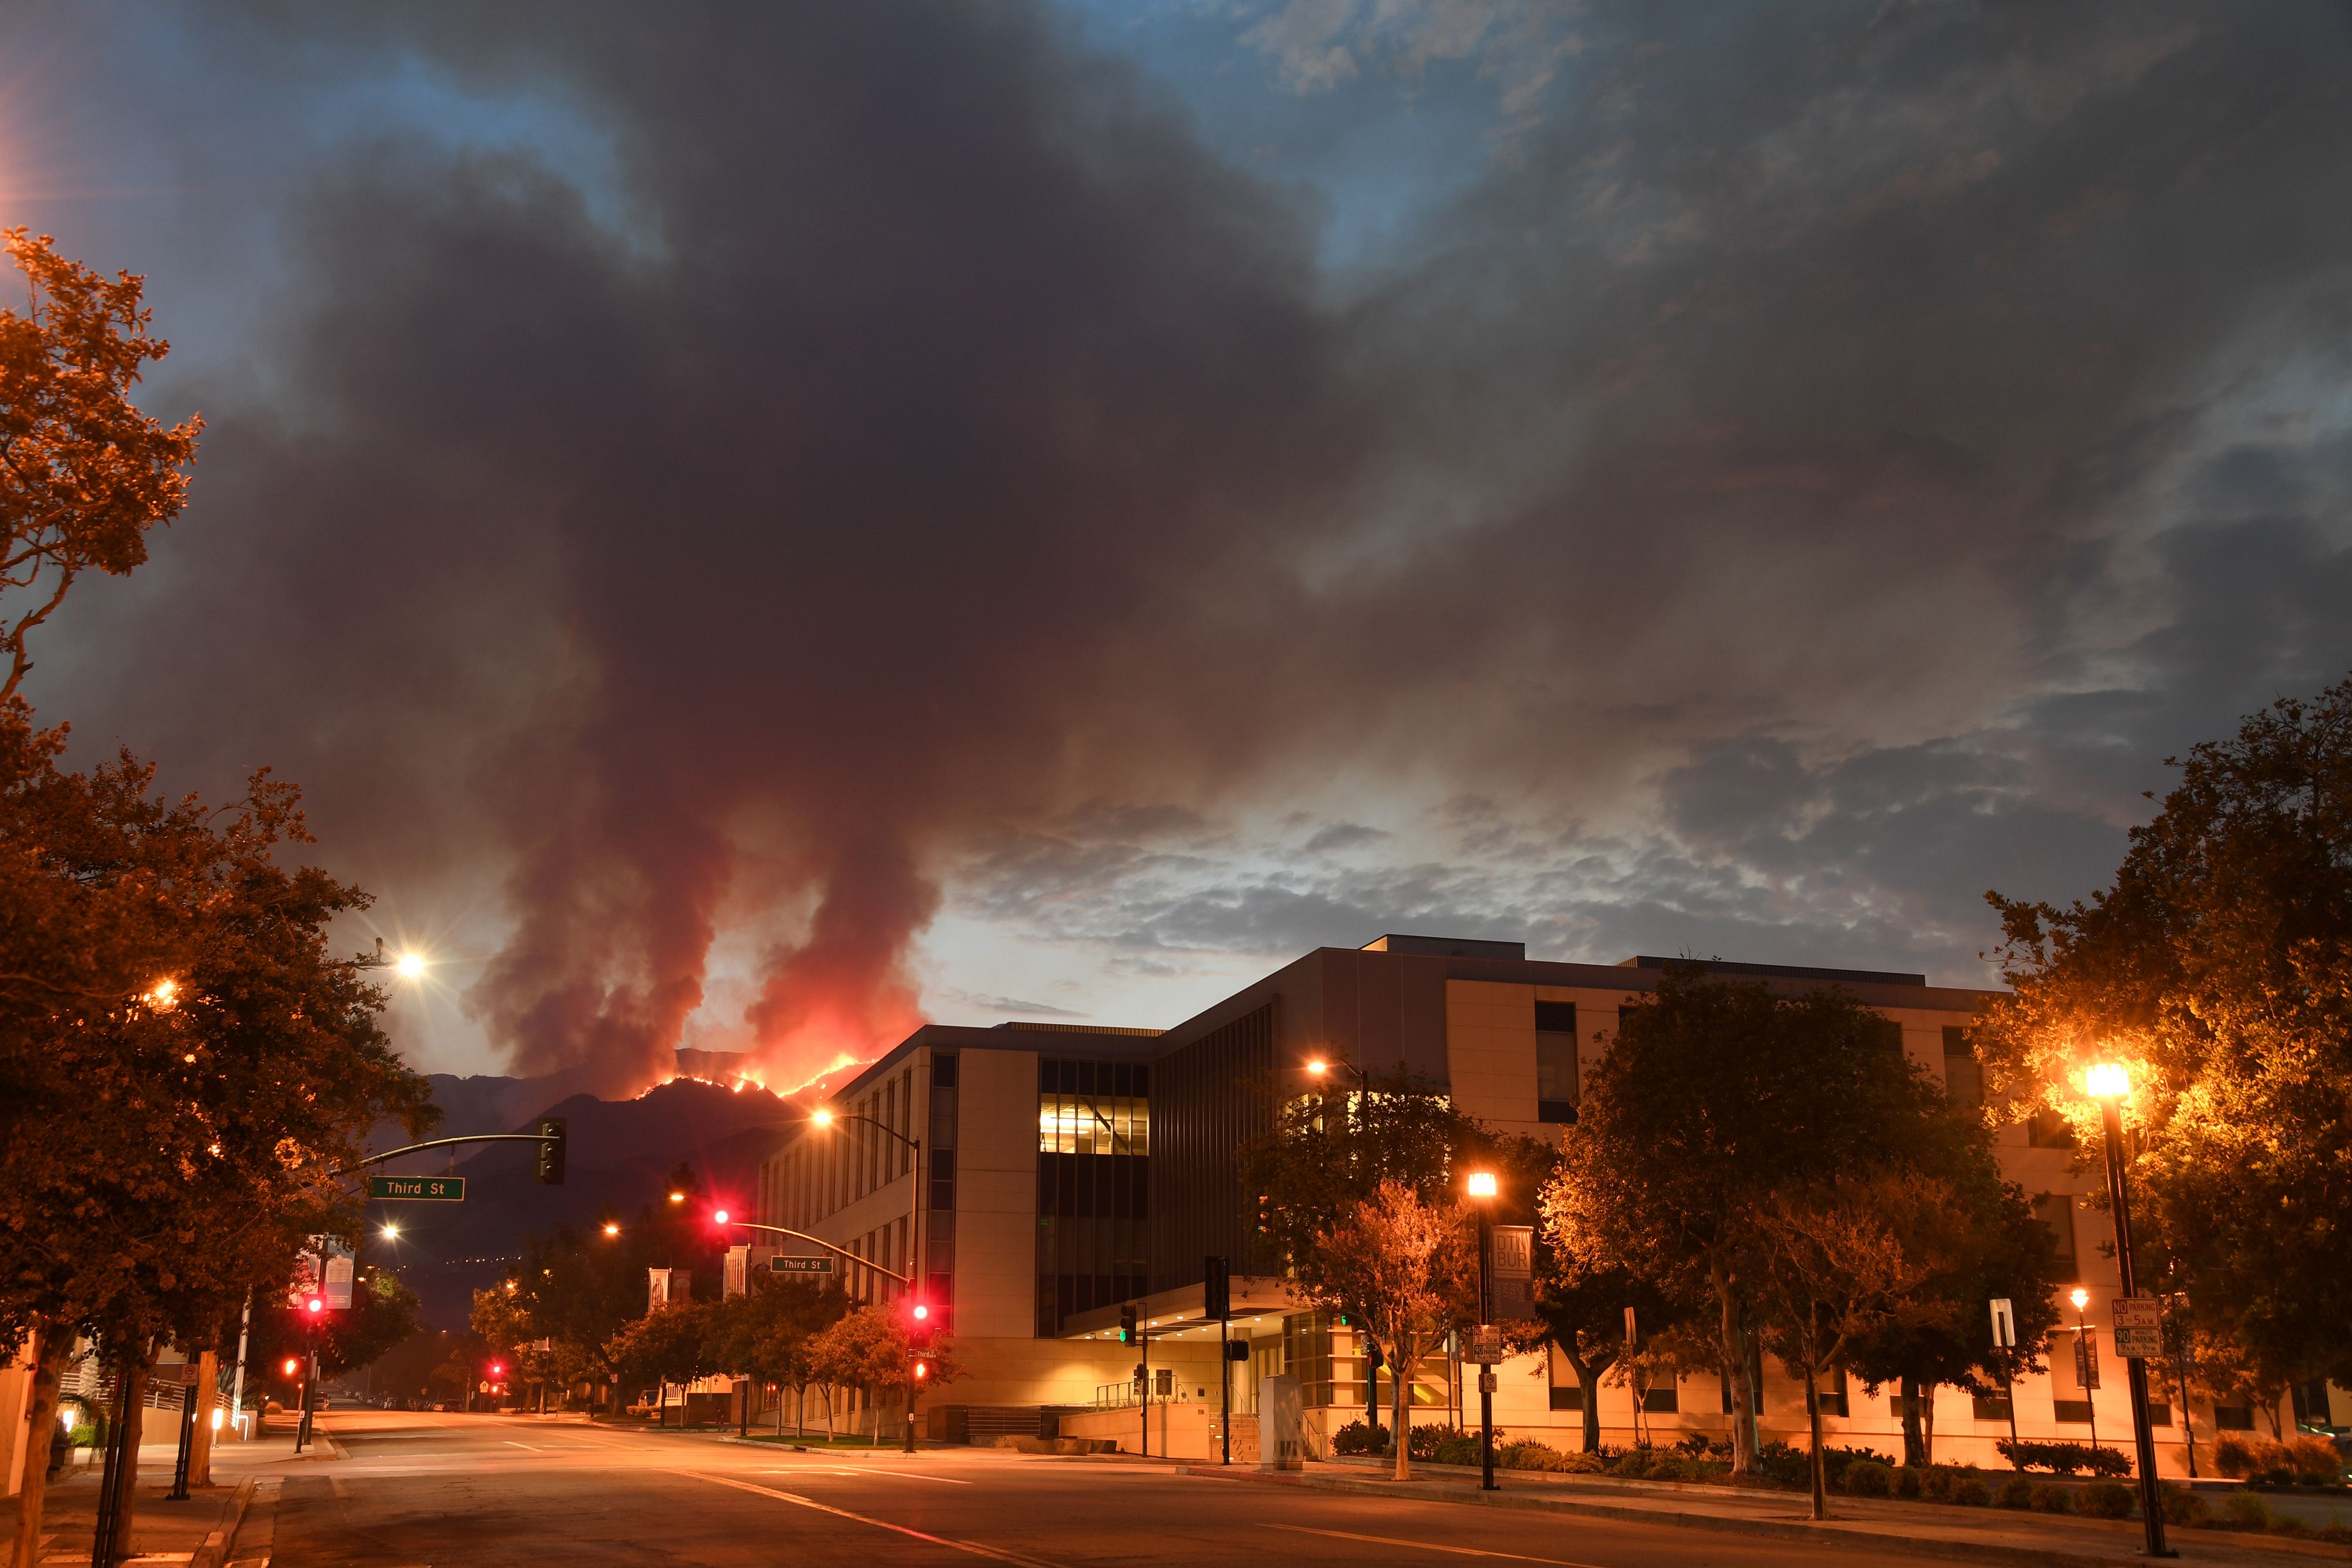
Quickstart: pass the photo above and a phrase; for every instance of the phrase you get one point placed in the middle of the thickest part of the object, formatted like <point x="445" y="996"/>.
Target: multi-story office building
<point x="1068" y="1170"/>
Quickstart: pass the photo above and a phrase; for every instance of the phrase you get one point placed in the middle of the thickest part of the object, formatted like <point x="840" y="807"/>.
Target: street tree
<point x="1715" y="1094"/>
<point x="1326" y="1153"/>
<point x="1583" y="1312"/>
<point x="1410" y="1268"/>
<point x="2000" y="1249"/>
<point x="2218" y="968"/>
<point x="769" y="1331"/>
<point x="1841" y="1259"/>
<point x="184" y="1068"/>
<point x="868" y="1350"/>
<point x="670" y="1344"/>
<point x="383" y="1313"/>
<point x="84" y="471"/>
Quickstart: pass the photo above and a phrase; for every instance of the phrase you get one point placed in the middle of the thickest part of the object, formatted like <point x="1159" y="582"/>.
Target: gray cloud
<point x="845" y="460"/>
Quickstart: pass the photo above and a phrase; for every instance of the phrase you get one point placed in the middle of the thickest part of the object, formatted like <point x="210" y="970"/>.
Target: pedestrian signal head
<point x="292" y="1366"/>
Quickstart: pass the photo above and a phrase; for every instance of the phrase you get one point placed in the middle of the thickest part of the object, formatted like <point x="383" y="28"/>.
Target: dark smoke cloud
<point x="1803" y="480"/>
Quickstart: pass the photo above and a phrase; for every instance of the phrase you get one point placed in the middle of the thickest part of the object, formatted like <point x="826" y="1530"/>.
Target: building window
<point x="1665" y="1399"/>
<point x="1307" y="1355"/>
<point x="1963" y="1073"/>
<point x="1988" y="1406"/>
<point x="2046" y="1129"/>
<point x="1832" y="1392"/>
<point x="940" y="1153"/>
<point x="2056" y="1210"/>
<point x="2071" y="1412"/>
<point x="1556" y="1086"/>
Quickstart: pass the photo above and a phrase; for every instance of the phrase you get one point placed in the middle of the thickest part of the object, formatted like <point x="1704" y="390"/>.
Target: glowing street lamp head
<point x="2080" y="1297"/>
<point x="1481" y="1183"/>
<point x="611" y="1228"/>
<point x="677" y="1196"/>
<point x="820" y="1116"/>
<point x="2107" y="1080"/>
<point x="409" y="966"/>
<point x="1319" y="1067"/>
<point x="391" y="1231"/>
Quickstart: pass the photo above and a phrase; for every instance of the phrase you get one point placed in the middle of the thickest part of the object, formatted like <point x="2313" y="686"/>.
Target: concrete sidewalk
<point x="1923" y="1530"/>
<point x="197" y="1532"/>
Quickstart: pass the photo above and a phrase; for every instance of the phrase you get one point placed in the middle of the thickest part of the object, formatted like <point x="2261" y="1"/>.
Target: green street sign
<point x="422" y="1190"/>
<point x="800" y="1265"/>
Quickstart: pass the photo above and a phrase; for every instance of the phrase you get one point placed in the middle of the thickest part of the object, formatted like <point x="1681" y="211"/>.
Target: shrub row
<point x="2306" y="1458"/>
<point x="2064" y="1459"/>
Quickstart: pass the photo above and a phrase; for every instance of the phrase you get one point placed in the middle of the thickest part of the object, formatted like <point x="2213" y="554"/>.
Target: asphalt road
<point x="442" y="1491"/>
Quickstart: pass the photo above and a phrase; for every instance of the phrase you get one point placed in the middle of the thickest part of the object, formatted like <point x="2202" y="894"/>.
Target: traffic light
<point x="1216" y="1289"/>
<point x="919" y="1327"/>
<point x="1373" y="1360"/>
<point x="498" y="1369"/>
<point x="1265" y="1211"/>
<point x="552" y="1131"/>
<point x="292" y="1366"/>
<point x="922" y="1370"/>
<point x="1127" y="1335"/>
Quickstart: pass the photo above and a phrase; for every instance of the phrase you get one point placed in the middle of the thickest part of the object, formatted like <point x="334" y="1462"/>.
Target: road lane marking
<point x="974" y="1547"/>
<point x="1431" y="1546"/>
<point x="512" y="1444"/>
<point x="837" y="1470"/>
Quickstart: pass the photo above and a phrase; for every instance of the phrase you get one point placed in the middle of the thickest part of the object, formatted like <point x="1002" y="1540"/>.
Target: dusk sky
<point x="755" y="525"/>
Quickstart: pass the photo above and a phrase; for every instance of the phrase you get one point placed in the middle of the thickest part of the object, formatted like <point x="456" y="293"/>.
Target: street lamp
<point x="1483" y="1187"/>
<point x="2109" y="1083"/>
<point x="611" y="1228"/>
<point x="823" y="1116"/>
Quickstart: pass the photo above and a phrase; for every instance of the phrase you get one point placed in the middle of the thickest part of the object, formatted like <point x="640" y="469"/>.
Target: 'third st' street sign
<point x="425" y="1189"/>
<point x="800" y="1265"/>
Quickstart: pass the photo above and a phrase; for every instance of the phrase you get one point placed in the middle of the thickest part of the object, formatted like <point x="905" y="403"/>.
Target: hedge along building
<point x="1068" y="1170"/>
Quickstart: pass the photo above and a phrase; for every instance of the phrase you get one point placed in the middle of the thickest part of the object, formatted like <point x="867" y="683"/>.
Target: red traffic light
<point x="497" y="1368"/>
<point x="314" y="1305"/>
<point x="921" y="1312"/>
<point x="719" y="1216"/>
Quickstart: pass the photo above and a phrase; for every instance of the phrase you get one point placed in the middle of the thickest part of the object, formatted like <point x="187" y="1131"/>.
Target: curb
<point x="215" y="1548"/>
<point x="1771" y="1528"/>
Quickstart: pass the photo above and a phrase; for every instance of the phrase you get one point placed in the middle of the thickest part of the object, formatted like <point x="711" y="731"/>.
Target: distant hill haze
<point x="619" y="1154"/>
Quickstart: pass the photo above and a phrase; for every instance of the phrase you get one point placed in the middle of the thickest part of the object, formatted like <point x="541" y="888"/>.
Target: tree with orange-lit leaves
<point x="84" y="471"/>
<point x="2218" y="969"/>
<point x="184" y="1068"/>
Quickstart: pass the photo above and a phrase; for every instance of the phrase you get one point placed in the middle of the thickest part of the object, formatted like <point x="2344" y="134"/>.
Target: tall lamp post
<point x="1482" y="1188"/>
<point x="823" y="1117"/>
<point x="2108" y="1083"/>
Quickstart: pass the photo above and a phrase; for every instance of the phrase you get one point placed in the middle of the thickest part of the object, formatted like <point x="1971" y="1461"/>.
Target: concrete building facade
<point x="1067" y="1170"/>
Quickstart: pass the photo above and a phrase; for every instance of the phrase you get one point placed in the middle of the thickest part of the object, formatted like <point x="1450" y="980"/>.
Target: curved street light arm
<point x="804" y="1236"/>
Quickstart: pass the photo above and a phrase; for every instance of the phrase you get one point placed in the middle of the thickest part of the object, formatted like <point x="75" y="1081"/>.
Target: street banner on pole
<point x="339" y="1269"/>
<point x="738" y="1271"/>
<point x="2004" y="1324"/>
<point x="2139" y="1327"/>
<point x="1511" y="1274"/>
